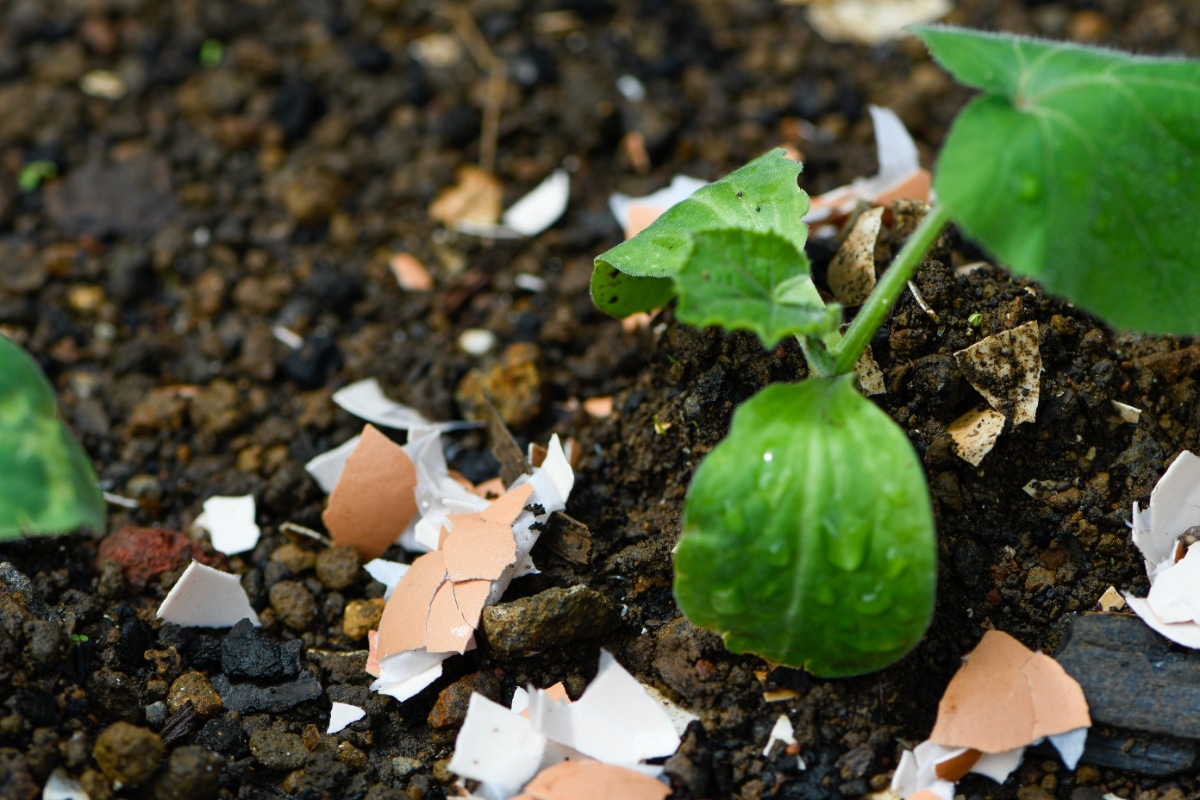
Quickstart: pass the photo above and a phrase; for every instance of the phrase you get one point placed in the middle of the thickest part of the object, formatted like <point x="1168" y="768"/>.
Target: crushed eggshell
<point x="374" y="499"/>
<point x="598" y="407"/>
<point x="204" y="597"/>
<point x="680" y="717"/>
<point x="870" y="376"/>
<point x="1006" y="696"/>
<point x="1006" y="368"/>
<point x="900" y="175"/>
<point x="852" y="270"/>
<point x="438" y="493"/>
<point x="230" y="523"/>
<point x="343" y="714"/>
<point x="542" y="207"/>
<point x="411" y="274"/>
<point x="974" y="434"/>
<point x="405" y="674"/>
<point x="475" y="198"/>
<point x="326" y="468"/>
<point x="500" y="749"/>
<point x="635" y="213"/>
<point x="870" y="22"/>
<point x="592" y="780"/>
<point x="62" y="785"/>
<point x="386" y="572"/>
<point x="782" y="731"/>
<point x="366" y="400"/>
<point x="1126" y="412"/>
<point x="1111" y="600"/>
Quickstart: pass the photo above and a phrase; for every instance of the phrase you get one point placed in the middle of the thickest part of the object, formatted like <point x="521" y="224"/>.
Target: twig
<point x="497" y="81"/>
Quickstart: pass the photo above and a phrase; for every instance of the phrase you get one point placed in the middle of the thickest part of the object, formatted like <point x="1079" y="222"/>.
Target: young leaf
<point x="808" y="537"/>
<point x="761" y="196"/>
<point x="1079" y="167"/>
<point x="46" y="482"/>
<point x="743" y="280"/>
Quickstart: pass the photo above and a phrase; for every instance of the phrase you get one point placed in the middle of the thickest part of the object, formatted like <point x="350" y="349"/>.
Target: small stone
<point x="156" y="714"/>
<point x="1038" y="578"/>
<point x="403" y="766"/>
<point x="160" y="409"/>
<point x="294" y="604"/>
<point x="192" y="773"/>
<point x="312" y="364"/>
<point x="218" y="408"/>
<point x="246" y="653"/>
<point x="339" y="566"/>
<point x="276" y="750"/>
<point x="115" y="694"/>
<point x="144" y="554"/>
<point x="451" y="707"/>
<point x="223" y="735"/>
<point x="514" y="383"/>
<point x="549" y="619"/>
<point x="16" y="779"/>
<point x="129" y="197"/>
<point x="310" y="195"/>
<point x="249" y="698"/>
<point x="95" y="785"/>
<point x="48" y="642"/>
<point x="294" y="557"/>
<point x="127" y="754"/>
<point x="195" y="687"/>
<point x="361" y="617"/>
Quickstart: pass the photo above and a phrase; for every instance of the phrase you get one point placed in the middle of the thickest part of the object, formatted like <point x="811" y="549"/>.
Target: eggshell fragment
<point x="204" y="597"/>
<point x="326" y="468"/>
<point x="373" y="501"/>
<point x="496" y="747"/>
<point x="636" y="213"/>
<point x="542" y="207"/>
<point x="1006" y="368"/>
<point x="974" y="434"/>
<point x="402" y="626"/>
<point x="872" y="22"/>
<point x="446" y="629"/>
<point x="366" y="400"/>
<point x="476" y="197"/>
<point x="852" y="270"/>
<point x="343" y="714"/>
<point x="411" y="274"/>
<point x="1111" y="600"/>
<point x="591" y="780"/>
<point x="782" y="731"/>
<point x="870" y="376"/>
<point x="230" y="523"/>
<point x="1005" y="697"/>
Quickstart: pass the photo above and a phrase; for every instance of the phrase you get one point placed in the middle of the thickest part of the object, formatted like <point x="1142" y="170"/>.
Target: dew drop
<point x="768" y="456"/>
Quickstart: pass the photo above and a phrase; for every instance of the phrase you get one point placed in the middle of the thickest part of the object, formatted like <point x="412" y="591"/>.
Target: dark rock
<point x="294" y="604"/>
<point x="339" y="566"/>
<point x="246" y="653"/>
<point x="48" y="642"/>
<point x="1145" y="753"/>
<point x="296" y="107"/>
<point x="549" y="619"/>
<point x="275" y="750"/>
<point x="130" y="198"/>
<point x="115" y="694"/>
<point x="451" y="707"/>
<point x="312" y="364"/>
<point x="16" y="780"/>
<point x="223" y="736"/>
<point x="128" y="755"/>
<point x="567" y="538"/>
<point x="248" y="698"/>
<point x="23" y="592"/>
<point x="680" y="645"/>
<point x="136" y="639"/>
<point x="192" y="773"/>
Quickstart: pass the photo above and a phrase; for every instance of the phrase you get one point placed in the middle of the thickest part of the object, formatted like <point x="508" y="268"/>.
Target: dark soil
<point x="212" y="203"/>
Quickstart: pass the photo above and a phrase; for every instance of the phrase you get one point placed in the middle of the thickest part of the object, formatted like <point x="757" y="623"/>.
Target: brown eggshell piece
<point x="373" y="501"/>
<point x="924" y="794"/>
<point x="914" y="186"/>
<point x="505" y="509"/>
<point x="446" y="630"/>
<point x="477" y="550"/>
<point x="953" y="769"/>
<point x="471" y="597"/>
<point x="639" y="218"/>
<point x="402" y="626"/>
<point x="1005" y="697"/>
<point x="592" y="780"/>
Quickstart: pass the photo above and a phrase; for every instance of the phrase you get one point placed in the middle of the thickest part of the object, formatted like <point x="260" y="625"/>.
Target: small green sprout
<point x="660" y="427"/>
<point x="33" y="174"/>
<point x="211" y="53"/>
<point x="78" y="638"/>
<point x="807" y="532"/>
<point x="46" y="482"/>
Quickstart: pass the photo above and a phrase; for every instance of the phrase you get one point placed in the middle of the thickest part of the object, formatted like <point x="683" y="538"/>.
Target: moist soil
<point x="211" y="203"/>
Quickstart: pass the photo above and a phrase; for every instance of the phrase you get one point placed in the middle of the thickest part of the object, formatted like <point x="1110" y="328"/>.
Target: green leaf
<point x="46" y="481"/>
<point x="808" y="537"/>
<point x="743" y="280"/>
<point x="761" y="196"/>
<point x="1079" y="167"/>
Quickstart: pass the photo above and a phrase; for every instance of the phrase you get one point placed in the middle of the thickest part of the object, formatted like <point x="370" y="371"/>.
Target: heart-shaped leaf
<point x="743" y="280"/>
<point x="808" y="536"/>
<point x="1079" y="167"/>
<point x="46" y="482"/>
<point x="761" y="196"/>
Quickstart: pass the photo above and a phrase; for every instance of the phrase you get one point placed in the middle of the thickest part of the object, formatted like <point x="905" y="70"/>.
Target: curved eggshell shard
<point x="402" y="626"/>
<point x="373" y="501"/>
<point x="446" y="629"/>
<point x="592" y="780"/>
<point x="1006" y="368"/>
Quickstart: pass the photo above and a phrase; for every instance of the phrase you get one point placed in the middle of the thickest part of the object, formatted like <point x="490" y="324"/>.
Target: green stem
<point x="847" y="352"/>
<point x="818" y="356"/>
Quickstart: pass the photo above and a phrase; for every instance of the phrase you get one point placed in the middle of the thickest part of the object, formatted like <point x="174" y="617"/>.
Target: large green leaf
<point x="743" y="280"/>
<point x="808" y="534"/>
<point x="1079" y="167"/>
<point x="762" y="196"/>
<point x="46" y="482"/>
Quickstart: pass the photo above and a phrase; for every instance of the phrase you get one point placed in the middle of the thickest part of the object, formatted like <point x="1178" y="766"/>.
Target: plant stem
<point x="818" y="356"/>
<point x="846" y="353"/>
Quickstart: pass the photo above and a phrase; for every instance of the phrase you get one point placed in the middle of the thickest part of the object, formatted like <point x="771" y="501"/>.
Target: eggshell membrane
<point x="402" y="626"/>
<point x="1005" y="697"/>
<point x="592" y="780"/>
<point x="373" y="501"/>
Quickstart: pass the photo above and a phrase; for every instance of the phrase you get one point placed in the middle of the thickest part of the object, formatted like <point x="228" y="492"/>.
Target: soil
<point x="211" y="203"/>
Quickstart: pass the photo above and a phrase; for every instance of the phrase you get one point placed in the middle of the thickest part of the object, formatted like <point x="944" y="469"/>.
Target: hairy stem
<point x="846" y="353"/>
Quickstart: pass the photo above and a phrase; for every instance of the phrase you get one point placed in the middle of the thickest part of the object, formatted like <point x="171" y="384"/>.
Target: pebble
<point x="128" y="754"/>
<point x="276" y="750"/>
<point x="246" y="653"/>
<point x="476" y="341"/>
<point x="194" y="686"/>
<point x="294" y="557"/>
<point x="361" y="617"/>
<point x="161" y="409"/>
<point x="339" y="566"/>
<point x="115" y="694"/>
<point x="128" y="198"/>
<point x="310" y="195"/>
<point x="403" y="766"/>
<point x="192" y="773"/>
<point x="48" y="642"/>
<point x="294" y="604"/>
<point x="549" y="619"/>
<point x="451" y="707"/>
<point x="514" y="383"/>
<point x="19" y="783"/>
<point x="314" y="362"/>
<point x="223" y="735"/>
<point x="218" y="408"/>
<point x="156" y="714"/>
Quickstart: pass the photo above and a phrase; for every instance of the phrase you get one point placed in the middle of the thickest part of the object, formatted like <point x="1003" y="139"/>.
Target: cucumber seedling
<point x="808" y="536"/>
